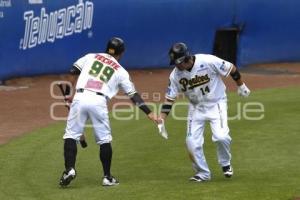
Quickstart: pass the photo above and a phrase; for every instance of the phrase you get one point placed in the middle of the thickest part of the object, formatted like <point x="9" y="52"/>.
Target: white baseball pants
<point x="89" y="105"/>
<point x="216" y="114"/>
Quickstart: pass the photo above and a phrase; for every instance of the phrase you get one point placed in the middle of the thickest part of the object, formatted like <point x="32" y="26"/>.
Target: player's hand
<point x="152" y="116"/>
<point x="83" y="142"/>
<point x="163" y="116"/>
<point x="243" y="90"/>
<point x="68" y="101"/>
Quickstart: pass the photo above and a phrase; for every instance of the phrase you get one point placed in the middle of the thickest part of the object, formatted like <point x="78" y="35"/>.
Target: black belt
<point x="80" y="90"/>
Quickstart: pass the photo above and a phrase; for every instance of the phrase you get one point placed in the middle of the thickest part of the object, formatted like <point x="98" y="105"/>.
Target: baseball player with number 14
<point x="199" y="77"/>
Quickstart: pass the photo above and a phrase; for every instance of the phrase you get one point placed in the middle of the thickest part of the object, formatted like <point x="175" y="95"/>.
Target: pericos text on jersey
<point x="193" y="82"/>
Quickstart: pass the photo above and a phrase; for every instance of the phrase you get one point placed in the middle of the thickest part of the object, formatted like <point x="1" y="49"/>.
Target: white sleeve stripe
<point x="77" y="66"/>
<point x="170" y="98"/>
<point x="229" y="70"/>
<point x="131" y="93"/>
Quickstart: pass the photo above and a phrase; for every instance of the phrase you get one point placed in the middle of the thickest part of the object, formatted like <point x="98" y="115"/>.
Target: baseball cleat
<point x="67" y="177"/>
<point x="227" y="171"/>
<point x="109" y="181"/>
<point x="197" y="179"/>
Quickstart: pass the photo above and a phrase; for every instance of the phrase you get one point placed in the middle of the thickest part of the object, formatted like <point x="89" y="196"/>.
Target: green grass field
<point x="266" y="159"/>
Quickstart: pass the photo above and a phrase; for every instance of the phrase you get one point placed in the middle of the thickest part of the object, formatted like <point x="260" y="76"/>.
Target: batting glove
<point x="162" y="129"/>
<point x="243" y="90"/>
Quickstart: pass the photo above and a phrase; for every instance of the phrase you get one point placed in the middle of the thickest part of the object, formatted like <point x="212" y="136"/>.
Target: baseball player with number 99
<point x="199" y="77"/>
<point x="100" y="77"/>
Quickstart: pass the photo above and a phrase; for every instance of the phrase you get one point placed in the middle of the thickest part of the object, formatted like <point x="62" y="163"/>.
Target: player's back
<point x="101" y="72"/>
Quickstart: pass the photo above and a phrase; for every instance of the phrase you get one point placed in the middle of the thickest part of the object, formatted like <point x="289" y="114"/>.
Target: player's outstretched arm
<point x="243" y="90"/>
<point x="139" y="102"/>
<point x="153" y="116"/>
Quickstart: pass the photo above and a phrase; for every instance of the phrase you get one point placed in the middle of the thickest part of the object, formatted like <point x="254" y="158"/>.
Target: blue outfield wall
<point x="271" y="31"/>
<point x="46" y="37"/>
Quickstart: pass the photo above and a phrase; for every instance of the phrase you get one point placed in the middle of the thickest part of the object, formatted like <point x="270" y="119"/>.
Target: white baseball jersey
<point x="204" y="87"/>
<point x="203" y="84"/>
<point x="102" y="73"/>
